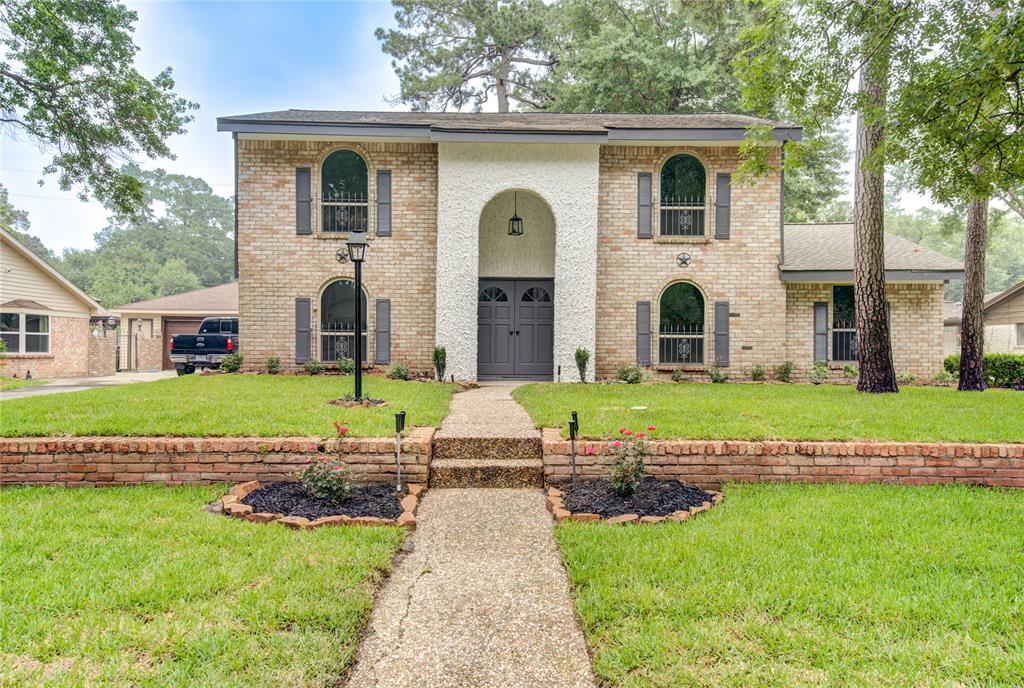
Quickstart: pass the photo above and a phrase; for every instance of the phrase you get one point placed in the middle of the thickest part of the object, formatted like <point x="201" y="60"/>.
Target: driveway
<point x="77" y="384"/>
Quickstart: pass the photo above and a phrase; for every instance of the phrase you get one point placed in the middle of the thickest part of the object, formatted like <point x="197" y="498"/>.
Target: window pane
<point x="681" y="325"/>
<point x="344" y="177"/>
<point x="37" y="323"/>
<point x="11" y="340"/>
<point x="843" y="311"/>
<point x="8" y="322"/>
<point x="683" y="181"/>
<point x="37" y="343"/>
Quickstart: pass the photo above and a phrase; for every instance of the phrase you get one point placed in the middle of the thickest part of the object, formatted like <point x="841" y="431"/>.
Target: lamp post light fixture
<point x="515" y="223"/>
<point x="356" y="244"/>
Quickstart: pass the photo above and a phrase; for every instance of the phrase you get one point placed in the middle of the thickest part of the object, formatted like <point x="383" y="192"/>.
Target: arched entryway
<point x="338" y="321"/>
<point x="515" y="300"/>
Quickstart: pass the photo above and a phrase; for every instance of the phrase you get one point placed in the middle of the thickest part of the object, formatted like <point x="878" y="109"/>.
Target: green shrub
<point x="906" y="378"/>
<point x="678" y="375"/>
<point x="327" y="479"/>
<point x="231" y="363"/>
<point x="628" y="465"/>
<point x="313" y="367"/>
<point x="819" y="373"/>
<point x="945" y="377"/>
<point x="273" y="365"/>
<point x="717" y="375"/>
<point x="632" y="375"/>
<point x="1001" y="370"/>
<point x="758" y="373"/>
<point x="784" y="371"/>
<point x="440" y="356"/>
<point x="346" y="365"/>
<point x="850" y="371"/>
<point x="582" y="360"/>
<point x="399" y="371"/>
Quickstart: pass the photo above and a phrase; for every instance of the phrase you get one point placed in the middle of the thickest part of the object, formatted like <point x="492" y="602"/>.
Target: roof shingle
<point x="829" y="247"/>
<point x="220" y="299"/>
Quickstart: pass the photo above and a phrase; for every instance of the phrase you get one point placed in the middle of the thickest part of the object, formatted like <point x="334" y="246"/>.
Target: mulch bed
<point x="652" y="497"/>
<point x="349" y="402"/>
<point x="292" y="499"/>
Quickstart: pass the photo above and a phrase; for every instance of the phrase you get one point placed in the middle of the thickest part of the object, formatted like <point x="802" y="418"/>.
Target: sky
<point x="232" y="58"/>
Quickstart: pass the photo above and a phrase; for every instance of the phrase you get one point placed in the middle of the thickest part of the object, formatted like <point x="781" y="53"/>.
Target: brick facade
<point x="103" y="352"/>
<point x="276" y="266"/>
<point x="68" y="357"/>
<point x="708" y="464"/>
<point x="107" y="461"/>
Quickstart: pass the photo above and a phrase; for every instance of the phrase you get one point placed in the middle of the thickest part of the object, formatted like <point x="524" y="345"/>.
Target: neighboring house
<point x="147" y="326"/>
<point x="514" y="239"/>
<point x="1003" y="313"/>
<point x="51" y="327"/>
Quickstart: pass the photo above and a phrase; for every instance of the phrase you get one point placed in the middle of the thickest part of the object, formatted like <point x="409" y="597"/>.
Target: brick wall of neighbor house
<point x="951" y="339"/>
<point x="916" y="327"/>
<point x="69" y="352"/>
<point x="276" y="266"/>
<point x="151" y="353"/>
<point x="108" y="461"/>
<point x="102" y="352"/>
<point x="741" y="270"/>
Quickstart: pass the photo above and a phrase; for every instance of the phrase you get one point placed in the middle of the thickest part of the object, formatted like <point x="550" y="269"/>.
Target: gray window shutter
<point x="383" y="203"/>
<point x="723" y="201"/>
<point x="643" y="205"/>
<point x="722" y="334"/>
<point x="820" y="331"/>
<point x="302" y="335"/>
<point x="382" y="353"/>
<point x="303" y="200"/>
<point x="643" y="333"/>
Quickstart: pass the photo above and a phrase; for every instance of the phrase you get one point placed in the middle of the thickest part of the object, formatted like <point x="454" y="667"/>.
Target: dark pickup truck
<point x="217" y="337"/>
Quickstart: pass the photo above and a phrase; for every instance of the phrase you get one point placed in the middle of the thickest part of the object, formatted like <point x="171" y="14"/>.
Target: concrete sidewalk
<point x="482" y="601"/>
<point x="488" y="411"/>
<point x="77" y="384"/>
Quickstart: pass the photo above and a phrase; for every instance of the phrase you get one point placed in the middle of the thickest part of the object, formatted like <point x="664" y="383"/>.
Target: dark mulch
<point x="351" y="402"/>
<point x="292" y="499"/>
<point x="652" y="497"/>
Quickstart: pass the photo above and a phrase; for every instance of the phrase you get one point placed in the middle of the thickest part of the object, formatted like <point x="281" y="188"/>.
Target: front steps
<point x="487" y="462"/>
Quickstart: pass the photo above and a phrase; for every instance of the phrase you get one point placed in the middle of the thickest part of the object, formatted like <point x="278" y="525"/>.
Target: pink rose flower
<point x="639" y="435"/>
<point x="616" y="443"/>
<point x="627" y="433"/>
<point x="651" y="428"/>
<point x="590" y="451"/>
<point x="622" y="431"/>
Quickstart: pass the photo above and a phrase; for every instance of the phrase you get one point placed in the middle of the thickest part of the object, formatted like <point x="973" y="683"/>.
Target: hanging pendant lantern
<point x="515" y="223"/>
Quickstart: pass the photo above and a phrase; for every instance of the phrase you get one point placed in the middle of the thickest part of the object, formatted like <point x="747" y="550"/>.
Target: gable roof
<point x="222" y="298"/>
<point x="52" y="272"/>
<point x="514" y="126"/>
<point x="953" y="310"/>
<point x="1003" y="296"/>
<point x="824" y="251"/>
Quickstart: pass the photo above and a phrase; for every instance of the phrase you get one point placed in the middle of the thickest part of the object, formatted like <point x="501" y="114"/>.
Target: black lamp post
<point x="357" y="253"/>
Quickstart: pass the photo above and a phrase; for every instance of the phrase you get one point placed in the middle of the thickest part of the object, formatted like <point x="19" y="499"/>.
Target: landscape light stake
<point x="399" y="427"/>
<point x="573" y="429"/>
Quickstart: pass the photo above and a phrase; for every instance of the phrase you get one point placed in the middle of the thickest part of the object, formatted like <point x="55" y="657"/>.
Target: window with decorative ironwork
<point x="683" y="197"/>
<point x="344" y="192"/>
<point x="681" y="325"/>
<point x="844" y="324"/>
<point x="338" y="321"/>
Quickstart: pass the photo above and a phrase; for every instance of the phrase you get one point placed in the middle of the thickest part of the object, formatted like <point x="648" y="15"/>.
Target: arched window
<point x="344" y="192"/>
<point x="338" y="321"/>
<point x="682" y="196"/>
<point x="681" y="325"/>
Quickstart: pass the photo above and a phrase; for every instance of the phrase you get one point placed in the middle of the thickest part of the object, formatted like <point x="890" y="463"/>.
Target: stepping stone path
<point x="481" y="601"/>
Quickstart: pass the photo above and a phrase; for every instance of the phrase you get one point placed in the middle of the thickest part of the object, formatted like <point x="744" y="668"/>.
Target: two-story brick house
<point x="514" y="239"/>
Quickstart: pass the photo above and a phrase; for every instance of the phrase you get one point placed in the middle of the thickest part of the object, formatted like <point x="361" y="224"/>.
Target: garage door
<point x="173" y="326"/>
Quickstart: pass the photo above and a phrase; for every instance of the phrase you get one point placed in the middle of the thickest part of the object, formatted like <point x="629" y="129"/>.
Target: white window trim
<point x="22" y="333"/>
<point x="1020" y="334"/>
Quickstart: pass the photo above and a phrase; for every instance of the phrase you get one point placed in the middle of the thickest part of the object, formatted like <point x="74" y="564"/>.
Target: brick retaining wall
<point x="710" y="463"/>
<point x="104" y="461"/>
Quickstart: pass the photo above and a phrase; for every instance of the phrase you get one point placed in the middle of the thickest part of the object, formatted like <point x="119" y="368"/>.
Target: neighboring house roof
<point x="824" y="252"/>
<point x="953" y="310"/>
<point x="215" y="300"/>
<point x="1003" y="296"/>
<point x="515" y="126"/>
<point x="48" y="269"/>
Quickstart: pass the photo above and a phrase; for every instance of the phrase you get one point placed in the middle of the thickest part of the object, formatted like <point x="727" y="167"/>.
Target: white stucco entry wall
<point x="468" y="176"/>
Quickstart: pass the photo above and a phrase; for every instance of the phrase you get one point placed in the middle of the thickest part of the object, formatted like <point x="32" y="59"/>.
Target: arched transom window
<point x="344" y="192"/>
<point x="681" y="325"/>
<point x="338" y="321"/>
<point x="683" y="196"/>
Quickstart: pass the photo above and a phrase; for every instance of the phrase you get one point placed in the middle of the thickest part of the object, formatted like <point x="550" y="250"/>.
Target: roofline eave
<point x="897" y="275"/>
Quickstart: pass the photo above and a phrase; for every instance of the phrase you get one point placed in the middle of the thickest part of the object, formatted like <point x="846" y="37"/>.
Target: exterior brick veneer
<point x="710" y="463"/>
<point x="105" y="461"/>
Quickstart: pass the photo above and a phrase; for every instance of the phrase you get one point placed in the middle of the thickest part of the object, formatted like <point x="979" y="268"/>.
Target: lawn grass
<point x="826" y="585"/>
<point x="227" y="405"/>
<point x="781" y="412"/>
<point x="18" y="383"/>
<point x="139" y="587"/>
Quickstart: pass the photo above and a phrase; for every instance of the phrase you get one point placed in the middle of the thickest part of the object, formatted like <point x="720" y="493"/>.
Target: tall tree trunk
<point x="501" y="84"/>
<point x="874" y="350"/>
<point x="972" y="324"/>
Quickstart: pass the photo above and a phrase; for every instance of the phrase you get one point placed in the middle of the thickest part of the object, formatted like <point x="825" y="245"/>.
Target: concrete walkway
<point x="482" y="601"/>
<point x="77" y="384"/>
<point x="488" y="411"/>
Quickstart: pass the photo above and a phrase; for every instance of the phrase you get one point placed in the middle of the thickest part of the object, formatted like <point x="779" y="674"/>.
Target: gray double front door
<point x="515" y="328"/>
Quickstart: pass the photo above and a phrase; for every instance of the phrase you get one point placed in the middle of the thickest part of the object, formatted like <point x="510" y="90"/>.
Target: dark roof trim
<point x="323" y="129"/>
<point x="721" y="134"/>
<point x="445" y="135"/>
<point x="847" y="275"/>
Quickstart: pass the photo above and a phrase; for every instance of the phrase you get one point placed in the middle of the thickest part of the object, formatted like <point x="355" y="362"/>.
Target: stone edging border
<point x="558" y="510"/>
<point x="231" y="505"/>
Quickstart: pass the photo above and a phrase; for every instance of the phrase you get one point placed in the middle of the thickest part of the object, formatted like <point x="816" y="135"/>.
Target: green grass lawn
<point x="139" y="587"/>
<point x="786" y="585"/>
<point x="790" y="412"/>
<point x="230" y="405"/>
<point x="18" y="383"/>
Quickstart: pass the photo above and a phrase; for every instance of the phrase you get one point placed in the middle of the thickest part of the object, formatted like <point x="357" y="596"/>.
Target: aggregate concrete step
<point x="485" y="472"/>
<point x="495" y="449"/>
